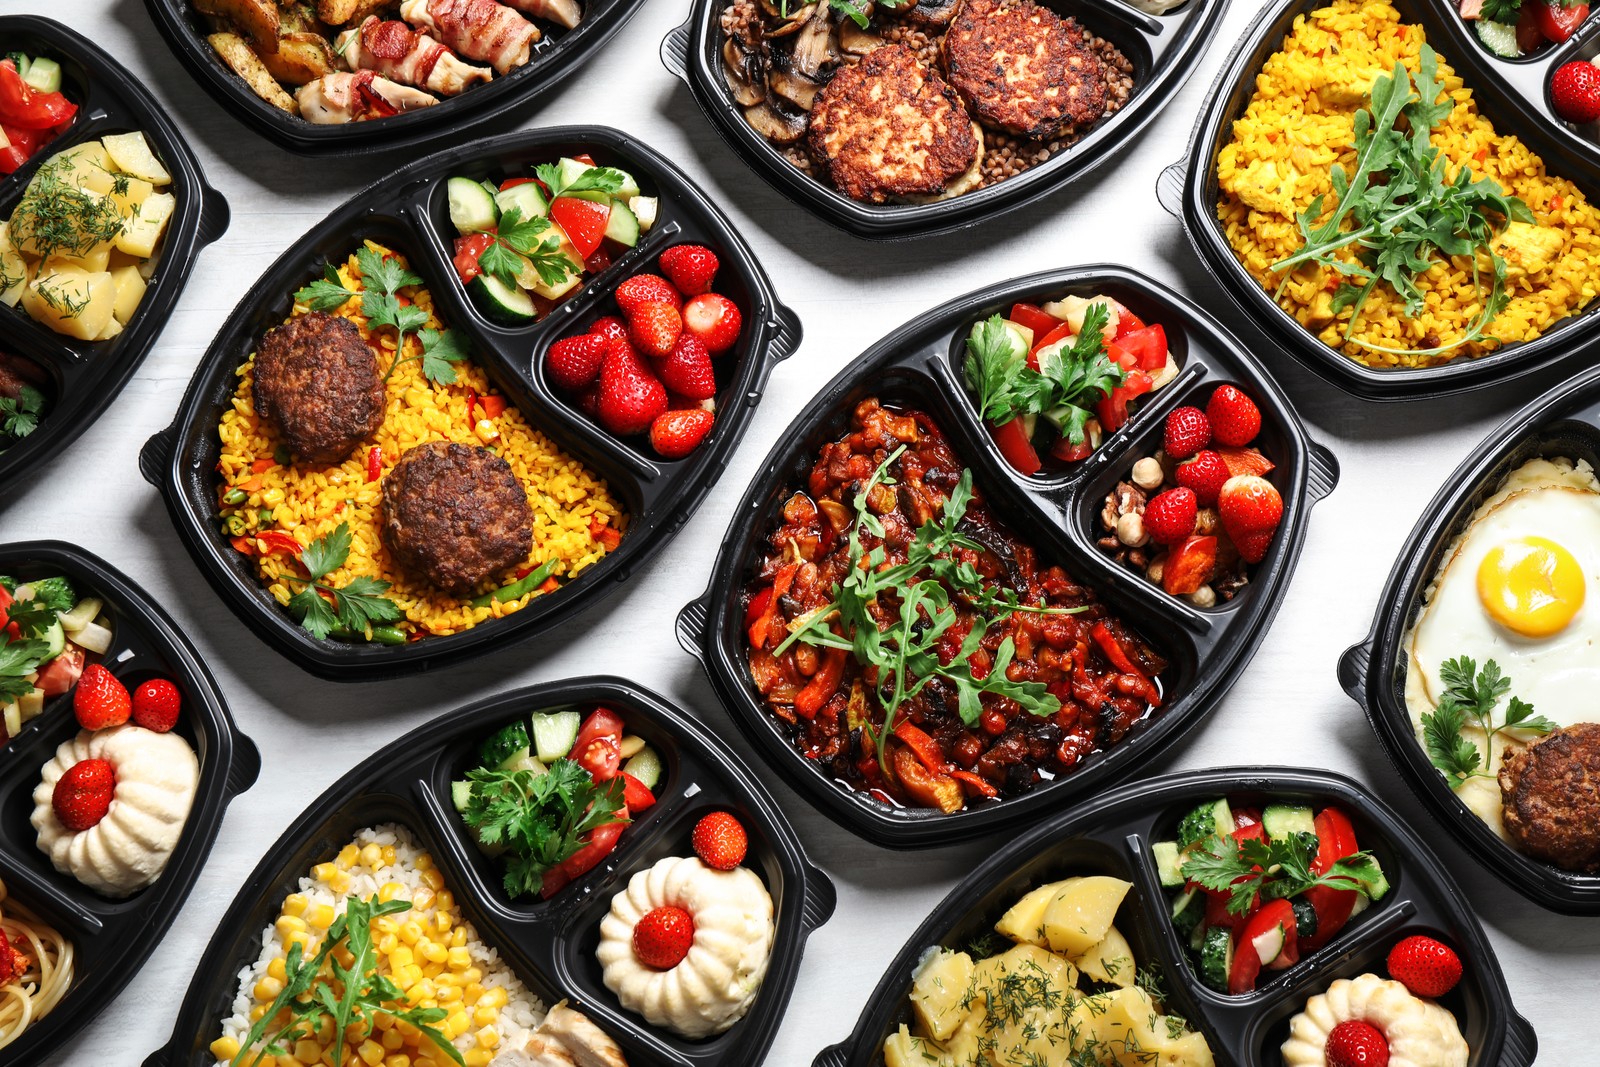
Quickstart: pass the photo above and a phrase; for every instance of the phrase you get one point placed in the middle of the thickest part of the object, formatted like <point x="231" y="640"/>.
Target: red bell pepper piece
<point x="270" y="542"/>
<point x="1014" y="445"/>
<point x="760" y="629"/>
<point x="922" y="745"/>
<point x="820" y="689"/>
<point x="635" y="794"/>
<point x="246" y="545"/>
<point x="979" y="785"/>
<point x="493" y="406"/>
<point x="374" y="463"/>
<point x="1033" y="317"/>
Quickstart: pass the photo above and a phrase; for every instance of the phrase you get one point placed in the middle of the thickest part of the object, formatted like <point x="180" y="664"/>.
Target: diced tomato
<point x="600" y="758"/>
<point x="1336" y="839"/>
<point x="493" y="405"/>
<point x="1067" y="452"/>
<point x="1189" y="565"/>
<point x="1121" y="356"/>
<point x="1246" y="817"/>
<point x="1127" y="322"/>
<point x="602" y="722"/>
<point x="24" y="139"/>
<point x="635" y="794"/>
<point x="602" y="841"/>
<point x="1247" y="959"/>
<point x="12" y="630"/>
<point x="597" y="261"/>
<point x="1249" y="831"/>
<point x="61" y="673"/>
<point x="1059" y="333"/>
<point x="1015" y="446"/>
<point x="1112" y="409"/>
<point x="512" y="183"/>
<point x="1148" y="346"/>
<point x="583" y="220"/>
<point x="23" y="106"/>
<point x="11" y="159"/>
<point x="1557" y="22"/>
<point x="374" y="463"/>
<point x="468" y="249"/>
<point x="1034" y="318"/>
<point x="585" y="158"/>
<point x="1217" y="913"/>
<point x="1529" y="34"/>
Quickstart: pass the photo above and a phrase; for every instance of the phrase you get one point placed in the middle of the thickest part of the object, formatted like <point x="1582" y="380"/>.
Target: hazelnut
<point x="1130" y="530"/>
<point x="1204" y="597"/>
<point x="1206" y="521"/>
<point x="1147" y="473"/>
<point x="1157" y="568"/>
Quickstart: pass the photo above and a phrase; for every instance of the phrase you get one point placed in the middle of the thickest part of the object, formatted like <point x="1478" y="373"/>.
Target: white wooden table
<point x="1286" y="709"/>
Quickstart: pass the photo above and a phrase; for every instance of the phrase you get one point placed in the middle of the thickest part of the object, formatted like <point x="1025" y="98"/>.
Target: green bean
<point x="235" y="496"/>
<point x="517" y="589"/>
<point x="234" y="524"/>
<point x="265" y="517"/>
<point x="388" y="635"/>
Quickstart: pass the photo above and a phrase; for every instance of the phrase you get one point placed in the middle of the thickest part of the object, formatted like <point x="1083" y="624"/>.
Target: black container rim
<point x="1185" y="190"/>
<point x="685" y="53"/>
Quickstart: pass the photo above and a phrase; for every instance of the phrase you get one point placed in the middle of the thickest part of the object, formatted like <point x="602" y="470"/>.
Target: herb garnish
<point x="591" y="179"/>
<point x="855" y="9"/>
<point x="55" y="216"/>
<point x="1277" y="869"/>
<point x="1070" y="379"/>
<point x="519" y="240"/>
<point x="350" y="996"/>
<point x="19" y="417"/>
<point x="382" y="279"/>
<point x="18" y="659"/>
<point x="357" y="605"/>
<point x="1413" y="212"/>
<point x="1469" y="698"/>
<point x="906" y="652"/>
<point x="541" y="819"/>
<point x="1509" y="11"/>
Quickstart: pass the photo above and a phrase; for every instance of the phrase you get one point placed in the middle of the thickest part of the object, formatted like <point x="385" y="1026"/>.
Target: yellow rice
<point x="310" y="500"/>
<point x="1301" y="122"/>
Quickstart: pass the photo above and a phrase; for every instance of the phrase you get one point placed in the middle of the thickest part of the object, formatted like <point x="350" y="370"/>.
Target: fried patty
<point x="1550" y="794"/>
<point x="318" y="380"/>
<point x="1021" y="69"/>
<point x="455" y="515"/>
<point x="16" y="372"/>
<point x="890" y="127"/>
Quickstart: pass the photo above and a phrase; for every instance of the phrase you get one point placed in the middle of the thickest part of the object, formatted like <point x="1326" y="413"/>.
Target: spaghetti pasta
<point x="35" y="969"/>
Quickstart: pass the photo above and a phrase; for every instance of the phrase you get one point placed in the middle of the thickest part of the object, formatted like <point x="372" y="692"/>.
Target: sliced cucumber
<point x="645" y="766"/>
<point x="1380" y="885"/>
<point x="1305" y="918"/>
<point x="1187" y="911"/>
<point x="524" y="761"/>
<point x="1268" y="944"/>
<point x="460" y="795"/>
<point x="472" y="208"/>
<point x="43" y="75"/>
<point x="526" y="198"/>
<point x="1281" y="820"/>
<point x="1499" y="38"/>
<point x="630" y="187"/>
<point x="81" y="615"/>
<point x="554" y="733"/>
<point x="1212" y="817"/>
<point x="504" y="746"/>
<point x="1169" y="863"/>
<point x="504" y="302"/>
<point x="1216" y="957"/>
<point x="570" y="170"/>
<point x="55" y="639"/>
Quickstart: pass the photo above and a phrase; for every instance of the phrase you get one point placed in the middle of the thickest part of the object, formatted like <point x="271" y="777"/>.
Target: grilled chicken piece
<point x="399" y="53"/>
<point x="540" y="1051"/>
<point x="342" y="97"/>
<point x="588" y="1045"/>
<point x="564" y="13"/>
<point x="484" y="30"/>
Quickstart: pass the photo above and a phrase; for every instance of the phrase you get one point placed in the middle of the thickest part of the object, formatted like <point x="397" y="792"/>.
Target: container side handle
<point x="1323" y="473"/>
<point x="1169" y="187"/>
<point x="246" y="765"/>
<point x="786" y="336"/>
<point x="214" y="216"/>
<point x="156" y="455"/>
<point x="675" y="50"/>
<point x="1353" y="671"/>
<point x="832" y="1056"/>
<point x="1522" y="1044"/>
<point x="691" y="627"/>
<point x="821" y="898"/>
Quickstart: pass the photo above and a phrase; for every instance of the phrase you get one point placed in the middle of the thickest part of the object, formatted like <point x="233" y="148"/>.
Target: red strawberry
<point x="655" y="328"/>
<point x="1424" y="966"/>
<point x="719" y="840"/>
<point x="1244" y="460"/>
<point x="1235" y="419"/>
<point x="644" y="289"/>
<point x="676" y="433"/>
<point x="1205" y="474"/>
<point x="589" y="402"/>
<point x="100" y="701"/>
<point x="610" y="327"/>
<point x="1575" y="91"/>
<point x="574" y="362"/>
<point x="630" y="396"/>
<point x="156" y="704"/>
<point x="663" y="937"/>
<point x="690" y="268"/>
<point x="1187" y="432"/>
<point x="1251" y="509"/>
<point x="1356" y="1043"/>
<point x="1169" y="518"/>
<point x="714" y="319"/>
<point x="83" y="794"/>
<point x="687" y="370"/>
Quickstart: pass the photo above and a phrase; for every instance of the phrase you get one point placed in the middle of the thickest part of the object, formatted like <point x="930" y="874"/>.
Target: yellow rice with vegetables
<point x="576" y="520"/>
<point x="1301" y="122"/>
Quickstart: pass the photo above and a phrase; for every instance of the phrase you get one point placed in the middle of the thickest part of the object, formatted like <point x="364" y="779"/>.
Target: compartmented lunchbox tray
<point x="1114" y="834"/>
<point x="549" y="943"/>
<point x="86" y="376"/>
<point x="1164" y="50"/>
<point x="408" y="211"/>
<point x="112" y="939"/>
<point x="555" y="58"/>
<point x="919" y="365"/>
<point x="1563" y="422"/>
<point x="1506" y="94"/>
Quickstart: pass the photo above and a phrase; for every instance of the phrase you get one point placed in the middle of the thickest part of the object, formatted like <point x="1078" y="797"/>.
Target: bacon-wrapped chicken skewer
<point x="483" y="30"/>
<point x="397" y="52"/>
<point x="564" y="13"/>
<point x="344" y="97"/>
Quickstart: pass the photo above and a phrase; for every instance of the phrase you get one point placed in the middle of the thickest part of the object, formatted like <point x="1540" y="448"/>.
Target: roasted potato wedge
<point x="256" y="19"/>
<point x="245" y="63"/>
<point x="347" y="12"/>
<point x="300" y="58"/>
<point x="296" y="18"/>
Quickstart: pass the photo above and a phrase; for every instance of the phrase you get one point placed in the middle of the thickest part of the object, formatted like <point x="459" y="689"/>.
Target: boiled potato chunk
<point x="939" y="992"/>
<point x="901" y="1049"/>
<point x="1190" y="1050"/>
<point x="1023" y="922"/>
<point x="72" y="301"/>
<point x="1081" y="913"/>
<point x="14" y="271"/>
<point x="79" y="166"/>
<point x="131" y="154"/>
<point x="1125" y="1023"/>
<point x="1111" y="961"/>
<point x="141" y="232"/>
<point x="1022" y="1000"/>
<point x="95" y="258"/>
<point x="130" y="290"/>
<point x="113" y="327"/>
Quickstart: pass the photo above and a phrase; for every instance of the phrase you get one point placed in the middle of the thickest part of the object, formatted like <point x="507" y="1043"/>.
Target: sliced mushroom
<point x="798" y="90"/>
<point x="855" y="40"/>
<point x="798" y="19"/>
<point x="774" y="125"/>
<point x="813" y="49"/>
<point x="738" y="68"/>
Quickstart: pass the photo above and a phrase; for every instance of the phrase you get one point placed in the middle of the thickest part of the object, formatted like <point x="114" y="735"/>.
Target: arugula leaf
<point x="326" y="293"/>
<point x="1469" y="699"/>
<point x="540" y="819"/>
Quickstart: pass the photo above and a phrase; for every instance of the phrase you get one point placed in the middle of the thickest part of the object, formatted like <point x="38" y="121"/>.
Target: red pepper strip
<point x="261" y="466"/>
<point x="472" y="402"/>
<point x="277" y="541"/>
<point x="917" y="739"/>
<point x="1119" y="659"/>
<point x="512" y="183"/>
<point x="493" y="406"/>
<point x="374" y="463"/>
<point x="247" y="545"/>
<point x="550" y="586"/>
<point x="753" y="613"/>
<point x="604" y="534"/>
<point x="761" y="629"/>
<point x="823" y="684"/>
<point x="982" y="787"/>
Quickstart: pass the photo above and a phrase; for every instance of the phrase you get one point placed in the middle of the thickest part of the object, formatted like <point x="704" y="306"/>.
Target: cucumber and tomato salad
<point x="527" y="242"/>
<point x="1226" y="855"/>
<point x="32" y="108"/>
<point x="47" y="633"/>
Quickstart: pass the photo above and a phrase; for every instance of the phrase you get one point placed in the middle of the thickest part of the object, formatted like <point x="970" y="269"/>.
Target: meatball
<point x="16" y="372"/>
<point x="318" y="380"/>
<point x="1550" y="793"/>
<point x="455" y="515"/>
<point x="1021" y="69"/>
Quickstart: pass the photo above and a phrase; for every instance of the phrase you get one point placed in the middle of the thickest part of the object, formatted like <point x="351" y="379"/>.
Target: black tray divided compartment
<point x="556" y="57"/>
<point x="919" y="365"/>
<point x="1563" y="422"/>
<point x="1113" y="836"/>
<point x="550" y="944"/>
<point x="1504" y="95"/>
<point x="86" y="376"/>
<point x="408" y="211"/>
<point x="1164" y="50"/>
<point x="112" y="939"/>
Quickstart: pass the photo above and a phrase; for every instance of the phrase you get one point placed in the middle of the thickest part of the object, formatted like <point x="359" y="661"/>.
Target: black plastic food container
<point x="919" y="365"/>
<point x="555" y="58"/>
<point x="1163" y="49"/>
<point x="1504" y="93"/>
<point x="112" y="939"/>
<point x="549" y="944"/>
<point x="1565" y="422"/>
<point x="86" y="376"/>
<point x="408" y="211"/>
<point x="1113" y="836"/>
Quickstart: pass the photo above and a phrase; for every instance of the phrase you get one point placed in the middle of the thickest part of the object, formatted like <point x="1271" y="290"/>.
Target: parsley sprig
<point x="1509" y="11"/>
<point x="590" y="180"/>
<point x="20" y="416"/>
<point x="1276" y="869"/>
<point x="382" y="278"/>
<point x="18" y="659"/>
<point x="357" y="605"/>
<point x="1405" y="209"/>
<point x="346" y="996"/>
<point x="1071" y="377"/>
<point x="518" y="241"/>
<point x="1470" y="697"/>
<point x="540" y="819"/>
<point x="906" y="650"/>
